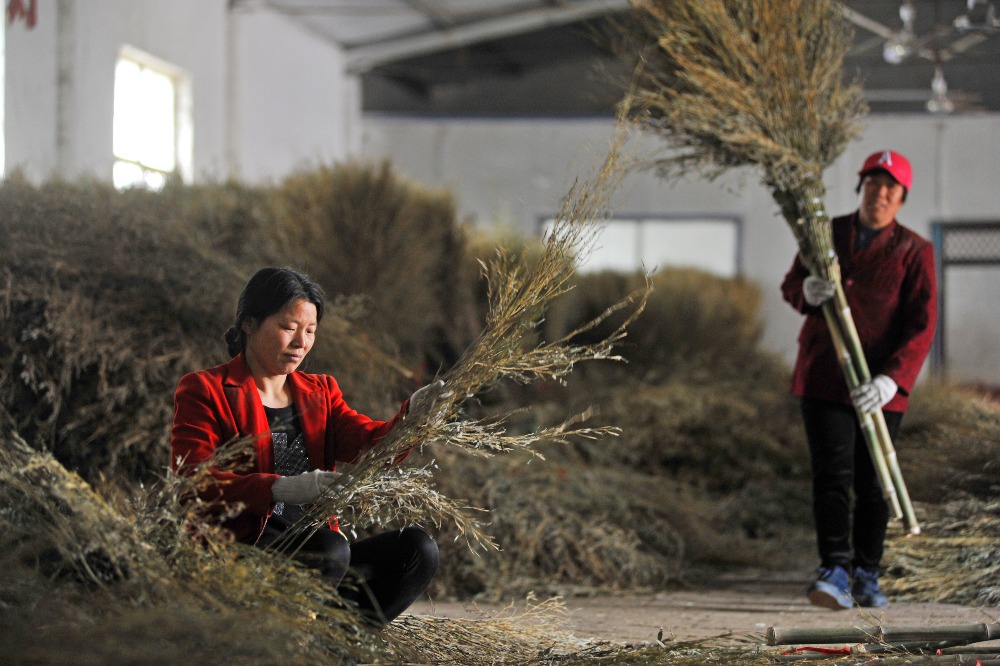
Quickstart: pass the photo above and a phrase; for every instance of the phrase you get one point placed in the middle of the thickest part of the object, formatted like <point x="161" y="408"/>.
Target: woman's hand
<point x="425" y="397"/>
<point x="303" y="488"/>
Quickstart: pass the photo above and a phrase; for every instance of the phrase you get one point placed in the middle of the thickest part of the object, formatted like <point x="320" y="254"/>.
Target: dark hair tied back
<point x="270" y="290"/>
<point x="235" y="341"/>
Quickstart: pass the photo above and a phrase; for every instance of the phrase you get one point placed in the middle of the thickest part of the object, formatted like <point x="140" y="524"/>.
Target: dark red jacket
<point x="219" y="405"/>
<point x="892" y="292"/>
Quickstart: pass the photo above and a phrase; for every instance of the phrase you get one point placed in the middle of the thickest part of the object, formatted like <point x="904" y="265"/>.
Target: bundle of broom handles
<point x="807" y="217"/>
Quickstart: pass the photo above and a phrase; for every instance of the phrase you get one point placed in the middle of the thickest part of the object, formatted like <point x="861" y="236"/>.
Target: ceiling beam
<point x="871" y="25"/>
<point x="365" y="57"/>
<point x="439" y="19"/>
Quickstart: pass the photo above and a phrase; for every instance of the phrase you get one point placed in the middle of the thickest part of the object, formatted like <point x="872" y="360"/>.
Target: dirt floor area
<point x="739" y="607"/>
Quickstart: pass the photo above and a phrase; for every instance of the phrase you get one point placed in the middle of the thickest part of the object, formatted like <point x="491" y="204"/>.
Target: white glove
<point x="302" y="488"/>
<point x="872" y="396"/>
<point x="425" y="396"/>
<point x="816" y="290"/>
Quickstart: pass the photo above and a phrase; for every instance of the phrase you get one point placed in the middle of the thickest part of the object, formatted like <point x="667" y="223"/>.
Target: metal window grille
<point x="966" y="243"/>
<point x="960" y="244"/>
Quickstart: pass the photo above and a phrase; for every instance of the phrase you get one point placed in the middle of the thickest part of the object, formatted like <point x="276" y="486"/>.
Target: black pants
<point x="382" y="574"/>
<point x="841" y="464"/>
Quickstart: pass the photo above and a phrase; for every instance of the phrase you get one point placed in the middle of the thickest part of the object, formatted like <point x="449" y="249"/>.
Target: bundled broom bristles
<point x="733" y="83"/>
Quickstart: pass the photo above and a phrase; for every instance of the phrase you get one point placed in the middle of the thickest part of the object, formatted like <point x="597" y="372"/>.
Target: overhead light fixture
<point x="981" y="17"/>
<point x="901" y="45"/>
<point x="939" y="101"/>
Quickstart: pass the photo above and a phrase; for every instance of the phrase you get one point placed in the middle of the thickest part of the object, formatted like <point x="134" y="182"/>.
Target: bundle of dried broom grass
<point x="733" y="83"/>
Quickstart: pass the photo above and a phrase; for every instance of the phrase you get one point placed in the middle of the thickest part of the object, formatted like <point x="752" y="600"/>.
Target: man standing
<point x="887" y="272"/>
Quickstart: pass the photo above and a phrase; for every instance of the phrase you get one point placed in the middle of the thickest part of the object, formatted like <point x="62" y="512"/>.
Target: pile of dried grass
<point x="694" y="322"/>
<point x="950" y="448"/>
<point x="564" y="529"/>
<point x="369" y="232"/>
<point x="955" y="560"/>
<point x="687" y="482"/>
<point x="101" y="299"/>
<point x="128" y="563"/>
<point x="710" y="468"/>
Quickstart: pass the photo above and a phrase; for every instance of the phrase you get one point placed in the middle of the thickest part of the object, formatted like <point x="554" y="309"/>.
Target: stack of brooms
<point x="731" y="83"/>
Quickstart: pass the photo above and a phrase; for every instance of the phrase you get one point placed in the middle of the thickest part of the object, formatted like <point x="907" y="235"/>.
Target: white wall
<point x="268" y="96"/>
<point x="30" y="117"/>
<point x="293" y="106"/>
<point x="516" y="171"/>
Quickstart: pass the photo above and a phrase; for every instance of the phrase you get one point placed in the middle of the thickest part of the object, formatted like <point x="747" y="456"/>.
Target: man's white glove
<point x="817" y="291"/>
<point x="872" y="396"/>
<point x="302" y="488"/>
<point x="425" y="396"/>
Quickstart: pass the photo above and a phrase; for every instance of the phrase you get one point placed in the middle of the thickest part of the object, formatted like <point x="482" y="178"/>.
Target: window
<point x="151" y="121"/>
<point x="648" y="243"/>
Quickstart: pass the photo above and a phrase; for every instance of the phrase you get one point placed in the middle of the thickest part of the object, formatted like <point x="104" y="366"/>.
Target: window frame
<point x="180" y="113"/>
<point x="642" y="222"/>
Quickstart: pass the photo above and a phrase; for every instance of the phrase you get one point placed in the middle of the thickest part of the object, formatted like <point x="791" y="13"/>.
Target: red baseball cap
<point x="892" y="163"/>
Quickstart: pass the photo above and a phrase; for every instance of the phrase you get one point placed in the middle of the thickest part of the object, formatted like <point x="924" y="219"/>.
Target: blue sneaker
<point x="831" y="589"/>
<point x="866" y="590"/>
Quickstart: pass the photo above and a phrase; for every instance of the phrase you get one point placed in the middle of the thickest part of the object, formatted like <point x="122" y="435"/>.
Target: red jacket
<point x="219" y="405"/>
<point x="892" y="292"/>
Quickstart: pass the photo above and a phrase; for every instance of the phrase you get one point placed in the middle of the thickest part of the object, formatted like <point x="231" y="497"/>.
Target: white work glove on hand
<point x="872" y="396"/>
<point x="817" y="291"/>
<point x="425" y="396"/>
<point x="302" y="488"/>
